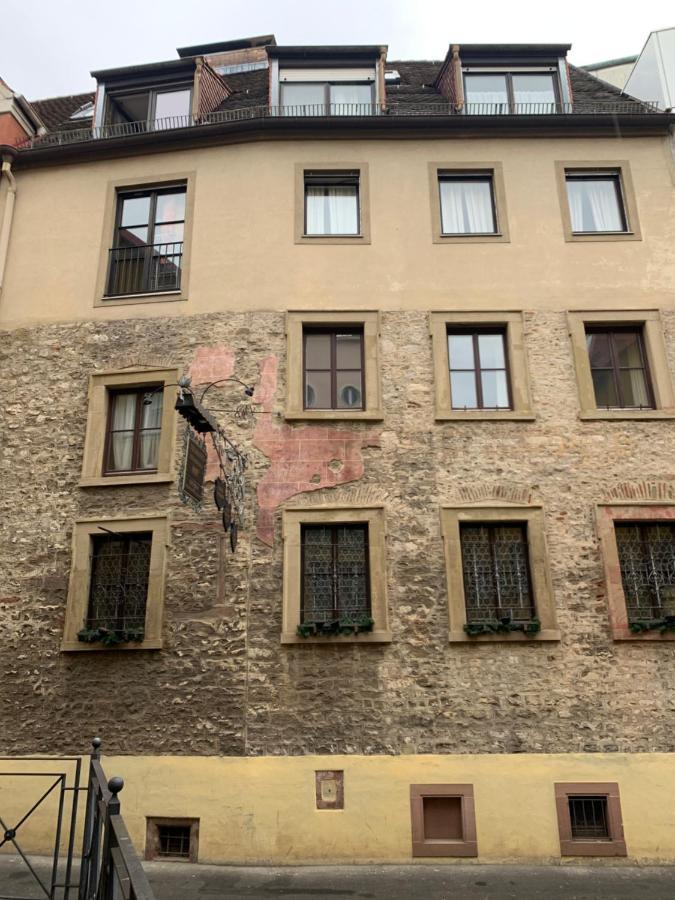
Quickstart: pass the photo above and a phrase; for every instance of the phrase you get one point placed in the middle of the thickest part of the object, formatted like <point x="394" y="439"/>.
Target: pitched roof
<point x="55" y="112"/>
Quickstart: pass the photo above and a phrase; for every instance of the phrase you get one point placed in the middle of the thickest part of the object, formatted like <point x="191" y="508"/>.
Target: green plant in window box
<point x="336" y="627"/>
<point x="110" y="637"/>
<point x="503" y="626"/>
<point x="638" y="626"/>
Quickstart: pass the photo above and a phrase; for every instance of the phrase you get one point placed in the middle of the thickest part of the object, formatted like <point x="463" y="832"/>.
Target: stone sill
<point x="585" y="236"/>
<point x="126" y="299"/>
<point x="655" y="636"/>
<point x="81" y="646"/>
<point x="333" y="415"/>
<point x="546" y="634"/>
<point x="481" y="415"/>
<point x="369" y="637"/>
<point x="626" y="415"/>
<point x="119" y="480"/>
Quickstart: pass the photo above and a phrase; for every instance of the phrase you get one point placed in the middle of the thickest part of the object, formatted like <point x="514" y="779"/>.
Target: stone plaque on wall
<point x="330" y="791"/>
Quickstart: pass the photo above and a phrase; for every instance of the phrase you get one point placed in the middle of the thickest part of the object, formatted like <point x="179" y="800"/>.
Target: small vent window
<point x="588" y="818"/>
<point x="174" y="841"/>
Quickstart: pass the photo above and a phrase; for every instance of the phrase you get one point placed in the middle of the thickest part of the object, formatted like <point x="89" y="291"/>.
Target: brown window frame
<point x="610" y="331"/>
<point x="478" y="369"/>
<point x="470" y="177"/>
<point x="136" y="444"/>
<point x="510" y="95"/>
<point x="127" y="539"/>
<point x="333" y="527"/>
<point x="467" y="846"/>
<point x="601" y="175"/>
<point x="614" y="844"/>
<point x="332" y="368"/>
<point x="153" y="824"/>
<point x="333" y="178"/>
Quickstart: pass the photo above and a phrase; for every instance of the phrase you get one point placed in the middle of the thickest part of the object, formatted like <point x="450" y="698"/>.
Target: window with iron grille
<point x="147" y="255"/>
<point x="332" y="203"/>
<point x="496" y="571"/>
<point x="467" y="203"/>
<point x="173" y="841"/>
<point x="335" y="574"/>
<point x="118" y="590"/>
<point x="647" y="560"/>
<point x="588" y="818"/>
<point x="133" y="430"/>
<point x="479" y="377"/>
<point x="619" y="368"/>
<point x="596" y="202"/>
<point x="333" y="363"/>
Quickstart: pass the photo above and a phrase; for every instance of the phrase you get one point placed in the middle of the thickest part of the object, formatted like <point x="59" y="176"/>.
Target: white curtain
<point x="351" y="99"/>
<point x="332" y="210"/>
<point x="122" y="437"/>
<point x="466" y="207"/>
<point x="593" y="205"/>
<point x="150" y="423"/>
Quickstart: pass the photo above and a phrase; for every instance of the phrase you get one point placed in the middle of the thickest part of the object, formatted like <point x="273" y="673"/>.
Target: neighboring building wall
<point x="614" y="73"/>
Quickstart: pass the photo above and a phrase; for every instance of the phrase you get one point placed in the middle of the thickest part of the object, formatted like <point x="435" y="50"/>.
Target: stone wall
<point x="223" y="684"/>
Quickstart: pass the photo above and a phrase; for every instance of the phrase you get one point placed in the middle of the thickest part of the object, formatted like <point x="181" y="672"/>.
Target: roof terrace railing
<point x="395" y="109"/>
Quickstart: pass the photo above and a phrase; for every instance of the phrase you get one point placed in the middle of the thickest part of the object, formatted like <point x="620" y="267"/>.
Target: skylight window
<point x="85" y="111"/>
<point x="242" y="67"/>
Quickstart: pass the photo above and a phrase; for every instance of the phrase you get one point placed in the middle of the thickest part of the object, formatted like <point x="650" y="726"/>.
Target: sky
<point x="48" y="47"/>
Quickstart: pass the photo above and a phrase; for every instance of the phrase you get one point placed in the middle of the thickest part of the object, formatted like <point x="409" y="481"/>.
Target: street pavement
<point x="182" y="881"/>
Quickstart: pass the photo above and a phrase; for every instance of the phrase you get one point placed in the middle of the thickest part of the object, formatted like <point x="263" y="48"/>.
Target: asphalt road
<point x="176" y="881"/>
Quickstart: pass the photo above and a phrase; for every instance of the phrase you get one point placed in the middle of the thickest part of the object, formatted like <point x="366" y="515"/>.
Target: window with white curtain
<point x="467" y="204"/>
<point x="595" y="202"/>
<point x="134" y="429"/>
<point x="322" y="98"/>
<point x="499" y="93"/>
<point x="332" y="203"/>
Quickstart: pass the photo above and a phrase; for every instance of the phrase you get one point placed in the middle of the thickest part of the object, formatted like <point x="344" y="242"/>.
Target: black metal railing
<point x="110" y="867"/>
<point x="144" y="269"/>
<point x="394" y="108"/>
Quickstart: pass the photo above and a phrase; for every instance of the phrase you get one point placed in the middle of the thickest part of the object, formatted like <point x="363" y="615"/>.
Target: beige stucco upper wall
<point x="244" y="255"/>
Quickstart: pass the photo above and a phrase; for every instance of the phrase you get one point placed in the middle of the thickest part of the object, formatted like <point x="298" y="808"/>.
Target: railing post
<point x="106" y="889"/>
<point x="89" y="864"/>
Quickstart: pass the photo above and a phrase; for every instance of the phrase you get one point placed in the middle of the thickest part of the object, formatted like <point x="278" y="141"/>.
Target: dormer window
<point x="489" y="92"/>
<point x="327" y="98"/>
<point x="154" y="109"/>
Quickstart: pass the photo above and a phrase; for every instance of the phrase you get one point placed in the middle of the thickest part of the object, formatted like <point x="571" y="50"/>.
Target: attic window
<point x="392" y="77"/>
<point x="85" y="111"/>
<point x="528" y="92"/>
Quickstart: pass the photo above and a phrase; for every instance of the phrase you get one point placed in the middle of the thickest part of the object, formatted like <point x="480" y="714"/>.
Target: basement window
<point x="589" y="819"/>
<point x="443" y="820"/>
<point x="172" y="839"/>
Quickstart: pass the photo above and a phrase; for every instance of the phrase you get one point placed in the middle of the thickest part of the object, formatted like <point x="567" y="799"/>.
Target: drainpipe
<point x="8" y="155"/>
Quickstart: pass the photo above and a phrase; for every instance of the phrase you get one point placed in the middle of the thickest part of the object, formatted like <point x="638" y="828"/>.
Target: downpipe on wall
<point x="8" y="155"/>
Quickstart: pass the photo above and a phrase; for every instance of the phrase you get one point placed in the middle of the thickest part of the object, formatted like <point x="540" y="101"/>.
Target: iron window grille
<point x="647" y="560"/>
<point x="335" y="575"/>
<point x="467" y="202"/>
<point x="147" y="256"/>
<point x="496" y="571"/>
<point x="604" y="213"/>
<point x="173" y="841"/>
<point x="333" y="364"/>
<point x="133" y="430"/>
<point x="332" y="206"/>
<point x="589" y="818"/>
<point x="479" y="369"/>
<point x="619" y="368"/>
<point x="513" y="87"/>
<point x="118" y="590"/>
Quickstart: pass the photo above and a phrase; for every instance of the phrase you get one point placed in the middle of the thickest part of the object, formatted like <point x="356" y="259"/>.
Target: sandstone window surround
<point x="101" y="386"/>
<point x="373" y="517"/>
<point x="296" y="325"/>
<point x="443" y="820"/>
<point x="589" y="819"/>
<point x="480" y="173"/>
<point x="616" y="170"/>
<point x="648" y="321"/>
<point x="532" y="517"/>
<point x="354" y="173"/>
<point x="440" y="323"/>
<point x="608" y="516"/>
<point x="114" y="191"/>
<point x="77" y="607"/>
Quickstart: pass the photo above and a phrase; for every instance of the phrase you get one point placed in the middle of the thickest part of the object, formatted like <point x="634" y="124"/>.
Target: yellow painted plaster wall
<point x="244" y="255"/>
<point x="263" y="809"/>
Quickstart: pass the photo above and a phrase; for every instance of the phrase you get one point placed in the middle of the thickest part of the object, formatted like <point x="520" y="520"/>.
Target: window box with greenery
<point x="116" y="590"/>
<point x="334" y="575"/>
<point x="499" y="586"/>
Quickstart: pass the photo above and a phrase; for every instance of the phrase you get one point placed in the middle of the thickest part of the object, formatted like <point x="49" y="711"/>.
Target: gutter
<point x="8" y="155"/>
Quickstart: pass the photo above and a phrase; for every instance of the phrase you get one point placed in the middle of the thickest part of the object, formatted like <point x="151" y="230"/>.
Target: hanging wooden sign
<point x="191" y="486"/>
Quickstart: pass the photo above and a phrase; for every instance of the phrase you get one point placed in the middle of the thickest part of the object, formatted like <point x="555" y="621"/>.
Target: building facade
<point x="446" y="630"/>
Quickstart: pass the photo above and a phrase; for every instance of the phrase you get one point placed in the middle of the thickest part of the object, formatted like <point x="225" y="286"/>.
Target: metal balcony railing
<point x="396" y="108"/>
<point x="144" y="269"/>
